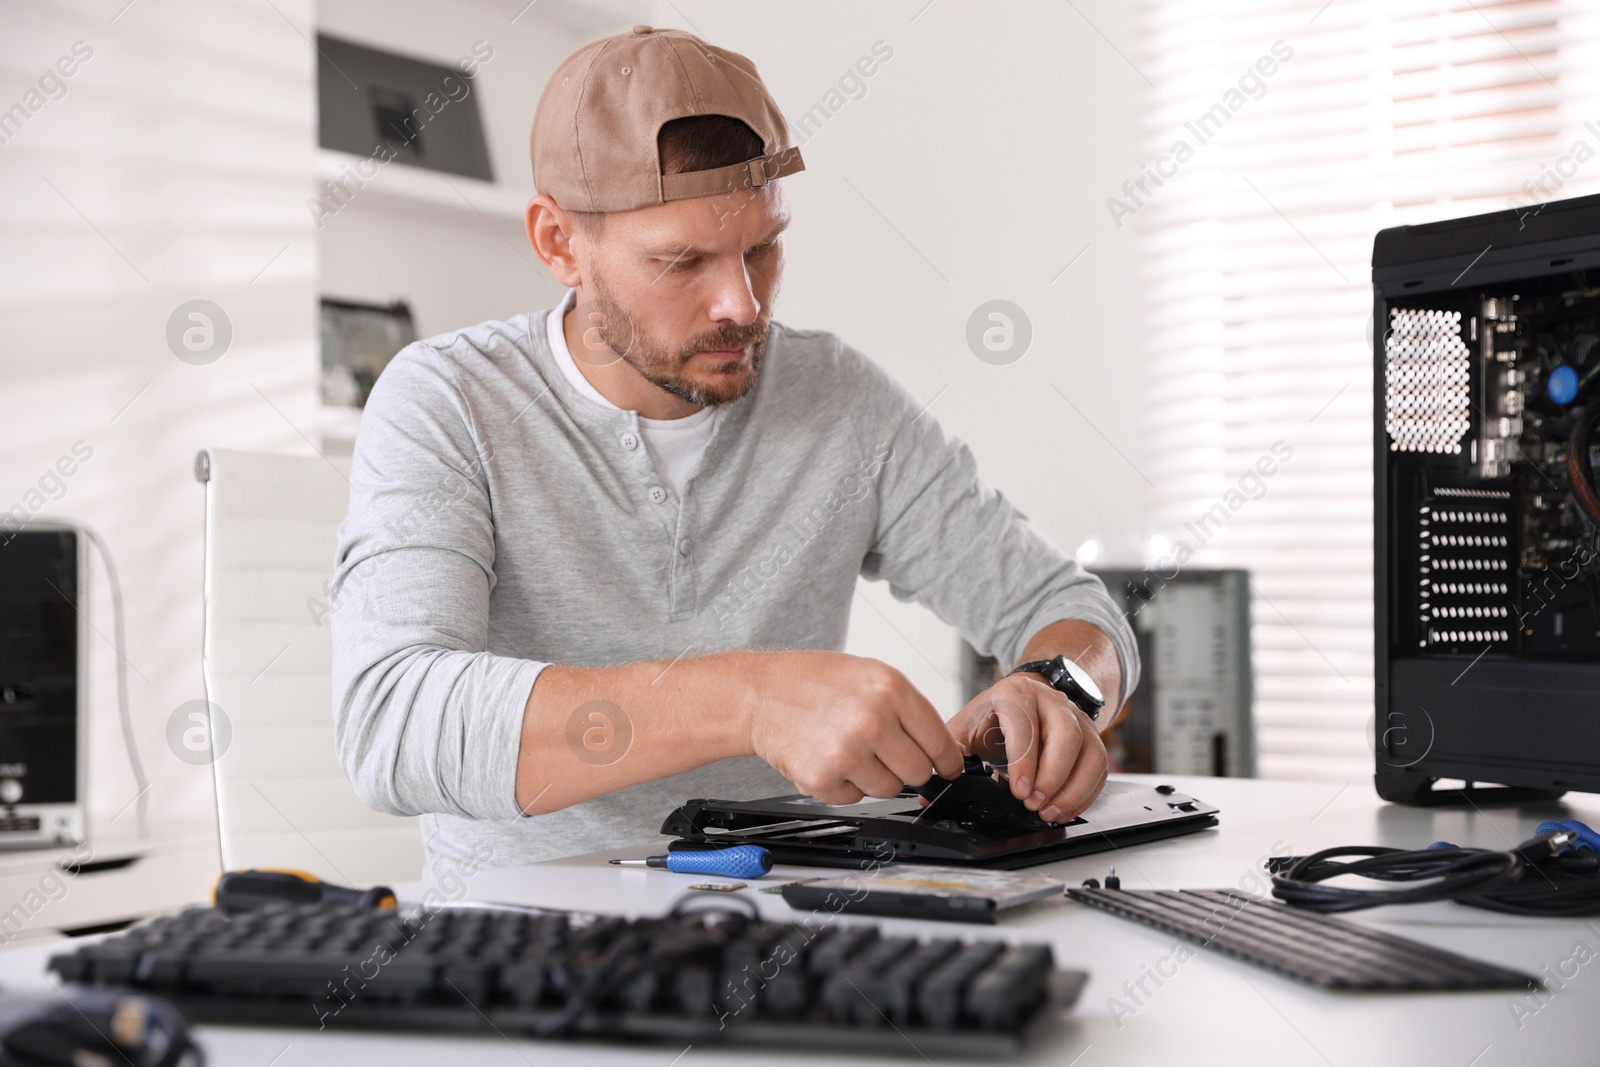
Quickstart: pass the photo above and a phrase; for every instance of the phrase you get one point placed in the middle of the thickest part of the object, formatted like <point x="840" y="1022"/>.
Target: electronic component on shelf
<point x="696" y="975"/>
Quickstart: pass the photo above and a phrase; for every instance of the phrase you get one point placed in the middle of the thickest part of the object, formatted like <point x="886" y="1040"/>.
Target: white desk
<point x="1212" y="1011"/>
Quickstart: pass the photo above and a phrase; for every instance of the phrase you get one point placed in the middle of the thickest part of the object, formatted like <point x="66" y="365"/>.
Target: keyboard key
<point x="940" y="995"/>
<point x="836" y="945"/>
<point x="855" y="991"/>
<point x="897" y="987"/>
<point x="1009" y="987"/>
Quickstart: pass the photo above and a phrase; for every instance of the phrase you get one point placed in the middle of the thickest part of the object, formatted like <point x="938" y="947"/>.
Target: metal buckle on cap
<point x="765" y="176"/>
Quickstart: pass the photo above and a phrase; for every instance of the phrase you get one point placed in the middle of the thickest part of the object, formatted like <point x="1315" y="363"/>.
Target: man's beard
<point x="729" y="381"/>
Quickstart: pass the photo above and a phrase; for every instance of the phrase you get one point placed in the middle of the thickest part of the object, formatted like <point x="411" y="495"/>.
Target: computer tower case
<point x="1191" y="713"/>
<point x="1486" y="390"/>
<point x="43" y="700"/>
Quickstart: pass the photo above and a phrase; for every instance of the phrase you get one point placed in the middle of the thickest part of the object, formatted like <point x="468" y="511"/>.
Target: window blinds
<point x="1279" y="137"/>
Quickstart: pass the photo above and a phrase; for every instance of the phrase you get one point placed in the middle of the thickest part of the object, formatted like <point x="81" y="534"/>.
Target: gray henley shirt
<point x="501" y="521"/>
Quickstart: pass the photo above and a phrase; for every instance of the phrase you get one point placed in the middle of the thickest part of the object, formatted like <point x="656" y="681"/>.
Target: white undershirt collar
<point x="558" y="345"/>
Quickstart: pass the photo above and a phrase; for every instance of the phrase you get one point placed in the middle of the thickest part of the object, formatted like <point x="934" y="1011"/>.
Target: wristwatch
<point x="1068" y="678"/>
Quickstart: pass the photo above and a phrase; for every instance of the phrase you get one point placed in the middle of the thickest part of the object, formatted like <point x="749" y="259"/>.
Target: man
<point x="600" y="558"/>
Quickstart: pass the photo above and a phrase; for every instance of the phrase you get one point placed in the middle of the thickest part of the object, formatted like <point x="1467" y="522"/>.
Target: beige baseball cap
<point x="594" y="130"/>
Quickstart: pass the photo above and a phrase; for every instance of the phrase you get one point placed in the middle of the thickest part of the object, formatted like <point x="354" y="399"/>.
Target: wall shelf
<point x="401" y="185"/>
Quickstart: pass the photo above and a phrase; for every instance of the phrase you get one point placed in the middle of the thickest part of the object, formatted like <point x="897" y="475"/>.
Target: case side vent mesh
<point x="1426" y="372"/>
<point x="1465" y="552"/>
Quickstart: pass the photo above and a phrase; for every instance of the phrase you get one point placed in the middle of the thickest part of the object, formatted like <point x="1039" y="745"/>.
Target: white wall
<point x="975" y="166"/>
<point x="173" y="169"/>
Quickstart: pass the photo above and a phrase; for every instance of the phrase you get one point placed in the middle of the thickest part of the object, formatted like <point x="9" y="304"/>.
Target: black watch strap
<point x="1067" y="678"/>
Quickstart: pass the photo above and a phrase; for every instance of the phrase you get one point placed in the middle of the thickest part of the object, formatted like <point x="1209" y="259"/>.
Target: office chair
<point x="282" y="799"/>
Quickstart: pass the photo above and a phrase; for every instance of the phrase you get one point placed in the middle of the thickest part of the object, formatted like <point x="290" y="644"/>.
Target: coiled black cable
<point x="1535" y="878"/>
<point x="633" y="951"/>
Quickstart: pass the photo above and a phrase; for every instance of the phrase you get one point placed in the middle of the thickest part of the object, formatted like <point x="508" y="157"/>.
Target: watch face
<point x="1081" y="676"/>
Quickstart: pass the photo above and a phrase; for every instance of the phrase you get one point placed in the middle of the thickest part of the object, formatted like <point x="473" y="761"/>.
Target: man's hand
<point x="1053" y="755"/>
<point x="841" y="727"/>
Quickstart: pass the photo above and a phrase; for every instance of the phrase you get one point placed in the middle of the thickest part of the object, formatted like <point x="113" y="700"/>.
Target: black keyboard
<point x="689" y="977"/>
<point x="1303" y="945"/>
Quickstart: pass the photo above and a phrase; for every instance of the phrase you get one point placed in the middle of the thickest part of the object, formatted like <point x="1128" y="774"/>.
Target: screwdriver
<point x="740" y="861"/>
<point x="237" y="891"/>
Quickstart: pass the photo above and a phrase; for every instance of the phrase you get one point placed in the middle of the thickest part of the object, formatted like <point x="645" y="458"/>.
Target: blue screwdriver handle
<point x="740" y="861"/>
